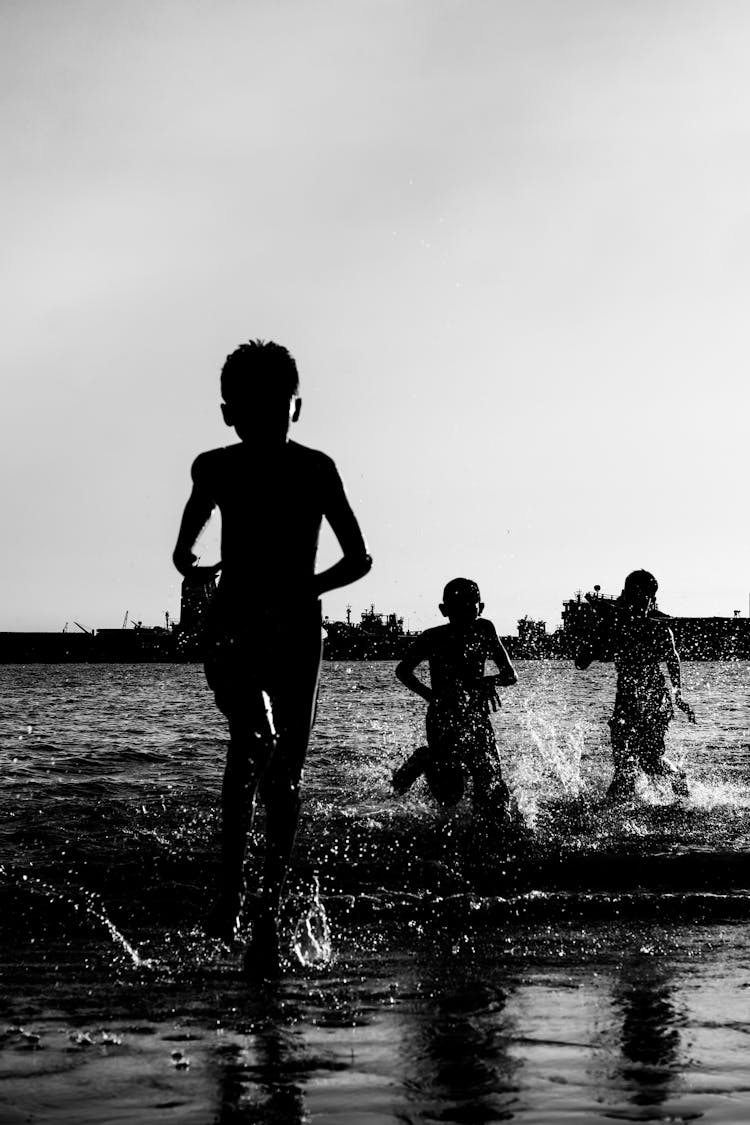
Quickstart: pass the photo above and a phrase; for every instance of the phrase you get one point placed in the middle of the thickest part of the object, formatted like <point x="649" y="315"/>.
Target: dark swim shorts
<point x="276" y="652"/>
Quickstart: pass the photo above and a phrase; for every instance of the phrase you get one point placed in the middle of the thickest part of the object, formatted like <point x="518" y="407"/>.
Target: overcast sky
<point x="508" y="243"/>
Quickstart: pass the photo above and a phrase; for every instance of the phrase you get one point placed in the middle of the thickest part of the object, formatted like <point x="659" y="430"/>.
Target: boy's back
<point x="456" y="658"/>
<point x="272" y="503"/>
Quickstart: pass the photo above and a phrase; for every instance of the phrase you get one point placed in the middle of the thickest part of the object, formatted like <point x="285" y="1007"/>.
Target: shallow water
<point x="600" y="970"/>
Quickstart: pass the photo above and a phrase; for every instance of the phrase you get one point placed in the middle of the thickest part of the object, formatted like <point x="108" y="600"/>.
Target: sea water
<point x="596" y="969"/>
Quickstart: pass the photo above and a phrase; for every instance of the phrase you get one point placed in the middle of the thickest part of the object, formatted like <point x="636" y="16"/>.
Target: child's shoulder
<point x="310" y="458"/>
<point x="429" y="640"/>
<point x="485" y="628"/>
<point x="661" y="631"/>
<point x="208" y="463"/>
<point x="228" y="458"/>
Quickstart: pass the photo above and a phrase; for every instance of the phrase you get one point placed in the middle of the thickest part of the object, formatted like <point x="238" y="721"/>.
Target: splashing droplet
<point x="312" y="934"/>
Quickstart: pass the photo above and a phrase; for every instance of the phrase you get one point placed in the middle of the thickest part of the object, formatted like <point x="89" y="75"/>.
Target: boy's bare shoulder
<point x="314" y="458"/>
<point x="663" y="633"/>
<point x="431" y="640"/>
<point x="206" y="464"/>
<point x="225" y="460"/>
<point x="486" y="633"/>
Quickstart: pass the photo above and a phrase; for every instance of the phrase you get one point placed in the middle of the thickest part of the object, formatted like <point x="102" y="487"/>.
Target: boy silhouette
<point x="460" y="738"/>
<point x="263" y="634"/>
<point x="638" y="638"/>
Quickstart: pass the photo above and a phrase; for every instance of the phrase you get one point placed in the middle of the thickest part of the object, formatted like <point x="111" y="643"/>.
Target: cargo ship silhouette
<point x="376" y="636"/>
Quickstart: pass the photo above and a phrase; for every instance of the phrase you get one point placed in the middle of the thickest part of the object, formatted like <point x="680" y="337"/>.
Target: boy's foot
<point x="223" y="919"/>
<point x="621" y="789"/>
<point x="262" y="956"/>
<point x="406" y="774"/>
<point x="680" y="785"/>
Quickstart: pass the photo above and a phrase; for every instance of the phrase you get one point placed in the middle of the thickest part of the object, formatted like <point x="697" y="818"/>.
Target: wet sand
<point x="419" y="1023"/>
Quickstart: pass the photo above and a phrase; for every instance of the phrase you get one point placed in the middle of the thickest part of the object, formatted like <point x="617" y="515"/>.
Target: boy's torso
<point x="272" y="505"/>
<point x="640" y="647"/>
<point x="456" y="660"/>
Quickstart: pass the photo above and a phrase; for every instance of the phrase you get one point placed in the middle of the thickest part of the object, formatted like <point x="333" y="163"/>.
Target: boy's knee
<point x="280" y="786"/>
<point x="445" y="783"/>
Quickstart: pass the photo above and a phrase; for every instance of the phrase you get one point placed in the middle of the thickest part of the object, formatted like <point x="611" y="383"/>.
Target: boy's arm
<point x="417" y="654"/>
<point x="356" y="561"/>
<point x="672" y="660"/>
<point x="194" y="518"/>
<point x="498" y="654"/>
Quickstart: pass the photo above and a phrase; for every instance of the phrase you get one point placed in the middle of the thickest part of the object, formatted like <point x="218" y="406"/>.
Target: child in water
<point x="639" y="640"/>
<point x="460" y="738"/>
<point x="263" y="637"/>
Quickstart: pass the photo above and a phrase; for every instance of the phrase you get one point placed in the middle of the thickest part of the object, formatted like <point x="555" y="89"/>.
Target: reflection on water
<point x="643" y="1000"/>
<point x="263" y="1080"/>
<point x="455" y="1052"/>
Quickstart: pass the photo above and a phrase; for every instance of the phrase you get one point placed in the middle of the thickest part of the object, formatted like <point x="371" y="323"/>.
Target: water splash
<point x="563" y="761"/>
<point x="75" y="900"/>
<point x="312" y="934"/>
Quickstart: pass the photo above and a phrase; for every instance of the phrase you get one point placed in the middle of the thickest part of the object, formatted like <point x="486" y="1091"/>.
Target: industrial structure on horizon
<point x="376" y="636"/>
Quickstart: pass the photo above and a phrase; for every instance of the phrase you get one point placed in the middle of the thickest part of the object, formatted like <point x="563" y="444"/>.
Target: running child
<point x="263" y="637"/>
<point x="460" y="738"/>
<point x="639" y="640"/>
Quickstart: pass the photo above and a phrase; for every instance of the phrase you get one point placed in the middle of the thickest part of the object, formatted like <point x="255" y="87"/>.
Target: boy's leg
<point x="444" y="775"/>
<point x="490" y="794"/>
<point x="443" y="768"/>
<point x="653" y="758"/>
<point x="251" y="745"/>
<point x="231" y="668"/>
<point x="408" y="772"/>
<point x="625" y="759"/>
<point x="294" y="700"/>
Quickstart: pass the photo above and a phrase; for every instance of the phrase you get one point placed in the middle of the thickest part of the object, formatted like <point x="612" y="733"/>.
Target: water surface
<point x="600" y="971"/>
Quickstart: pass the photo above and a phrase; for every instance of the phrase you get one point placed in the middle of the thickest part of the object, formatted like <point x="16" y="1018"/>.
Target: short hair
<point x="259" y="365"/>
<point x="639" y="582"/>
<point x="461" y="588"/>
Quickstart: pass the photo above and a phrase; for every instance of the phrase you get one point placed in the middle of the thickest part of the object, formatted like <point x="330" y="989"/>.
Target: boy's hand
<point x="186" y="561"/>
<point x="202" y="575"/>
<point x="489" y="689"/>
<point x="683" y="706"/>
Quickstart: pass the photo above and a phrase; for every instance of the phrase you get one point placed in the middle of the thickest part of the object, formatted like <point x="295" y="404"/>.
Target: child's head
<point x="260" y="389"/>
<point x="639" y="591"/>
<point x="461" y="602"/>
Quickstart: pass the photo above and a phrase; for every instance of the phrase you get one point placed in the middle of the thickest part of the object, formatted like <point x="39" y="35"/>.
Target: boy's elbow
<point x="361" y="564"/>
<point x="181" y="560"/>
